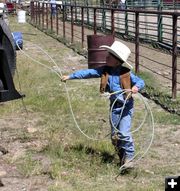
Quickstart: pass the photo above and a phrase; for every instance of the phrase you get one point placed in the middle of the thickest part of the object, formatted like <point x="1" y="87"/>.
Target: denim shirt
<point x="113" y="83"/>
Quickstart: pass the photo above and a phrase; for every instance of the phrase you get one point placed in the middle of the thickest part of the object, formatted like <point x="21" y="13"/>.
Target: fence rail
<point x="72" y="22"/>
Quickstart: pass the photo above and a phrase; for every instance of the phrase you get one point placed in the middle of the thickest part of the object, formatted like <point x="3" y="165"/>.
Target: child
<point x="115" y="78"/>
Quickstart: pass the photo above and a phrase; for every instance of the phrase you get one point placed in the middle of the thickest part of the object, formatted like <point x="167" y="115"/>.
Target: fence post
<point x="36" y="12"/>
<point x="82" y="23"/>
<point x="174" y="57"/>
<point x="103" y="19"/>
<point x="137" y="44"/>
<point x="126" y="20"/>
<point x="87" y="12"/>
<point x="64" y="15"/>
<point x="51" y="18"/>
<point x="126" y="23"/>
<point x="112" y="22"/>
<point x="75" y="10"/>
<point x="72" y="25"/>
<point x="39" y="15"/>
<point x="43" y="15"/>
<point x="46" y="16"/>
<point x="95" y="27"/>
<point x="159" y="22"/>
<point x="57" y="20"/>
<point x="32" y="11"/>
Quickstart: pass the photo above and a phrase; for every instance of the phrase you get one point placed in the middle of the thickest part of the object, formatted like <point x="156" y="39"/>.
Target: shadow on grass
<point x="105" y="156"/>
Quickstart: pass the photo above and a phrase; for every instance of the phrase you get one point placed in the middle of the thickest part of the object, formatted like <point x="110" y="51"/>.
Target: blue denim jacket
<point x="113" y="79"/>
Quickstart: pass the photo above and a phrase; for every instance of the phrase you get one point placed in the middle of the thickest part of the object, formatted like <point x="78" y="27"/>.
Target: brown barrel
<point x="96" y="55"/>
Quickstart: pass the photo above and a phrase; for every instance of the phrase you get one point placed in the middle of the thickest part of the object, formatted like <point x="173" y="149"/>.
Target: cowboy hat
<point x="120" y="50"/>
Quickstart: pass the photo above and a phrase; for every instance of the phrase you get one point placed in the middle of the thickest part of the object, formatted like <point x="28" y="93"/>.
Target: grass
<point x="153" y="90"/>
<point x="78" y="163"/>
<point x="28" y="167"/>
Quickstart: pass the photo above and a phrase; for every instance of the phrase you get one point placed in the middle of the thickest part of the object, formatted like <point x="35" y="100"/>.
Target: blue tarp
<point x="18" y="40"/>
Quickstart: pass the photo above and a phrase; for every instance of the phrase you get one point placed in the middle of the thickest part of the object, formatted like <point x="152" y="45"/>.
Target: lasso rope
<point x="148" y="109"/>
<point x="138" y="128"/>
<point x="151" y="140"/>
<point x="124" y="91"/>
<point x="59" y="74"/>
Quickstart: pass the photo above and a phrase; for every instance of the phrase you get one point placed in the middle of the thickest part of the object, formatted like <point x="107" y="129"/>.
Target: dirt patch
<point x="19" y="131"/>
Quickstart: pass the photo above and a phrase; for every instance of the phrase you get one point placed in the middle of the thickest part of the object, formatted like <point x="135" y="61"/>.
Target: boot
<point x="128" y="164"/>
<point x="121" y="156"/>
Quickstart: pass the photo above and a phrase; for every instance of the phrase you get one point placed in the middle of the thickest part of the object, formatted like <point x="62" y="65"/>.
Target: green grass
<point x="76" y="162"/>
<point x="153" y="89"/>
<point x="149" y="79"/>
<point x="160" y="95"/>
<point x="167" y="118"/>
<point x="28" y="167"/>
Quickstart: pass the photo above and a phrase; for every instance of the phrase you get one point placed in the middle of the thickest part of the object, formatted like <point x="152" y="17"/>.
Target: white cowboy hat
<point x="120" y="50"/>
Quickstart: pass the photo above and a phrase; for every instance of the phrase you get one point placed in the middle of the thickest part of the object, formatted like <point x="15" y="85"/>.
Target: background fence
<point x="145" y="4"/>
<point x="72" y="23"/>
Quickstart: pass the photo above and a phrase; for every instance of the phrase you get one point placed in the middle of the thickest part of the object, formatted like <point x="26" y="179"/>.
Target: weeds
<point x="29" y="167"/>
<point x="77" y="163"/>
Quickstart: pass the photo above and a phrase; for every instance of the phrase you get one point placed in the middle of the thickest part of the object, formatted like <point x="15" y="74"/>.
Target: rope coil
<point x="147" y="107"/>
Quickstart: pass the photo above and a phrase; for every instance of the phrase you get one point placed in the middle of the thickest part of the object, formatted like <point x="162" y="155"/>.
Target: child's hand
<point x="64" y="78"/>
<point x="134" y="89"/>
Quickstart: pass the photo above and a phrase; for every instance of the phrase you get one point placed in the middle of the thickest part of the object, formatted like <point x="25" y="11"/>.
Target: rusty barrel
<point x="96" y="55"/>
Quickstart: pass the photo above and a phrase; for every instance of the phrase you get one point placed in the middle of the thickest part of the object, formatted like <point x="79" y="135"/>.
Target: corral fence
<point x="71" y="21"/>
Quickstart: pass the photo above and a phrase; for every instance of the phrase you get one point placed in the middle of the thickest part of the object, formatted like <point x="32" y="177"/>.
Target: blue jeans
<point x="122" y="127"/>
